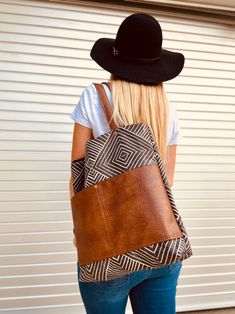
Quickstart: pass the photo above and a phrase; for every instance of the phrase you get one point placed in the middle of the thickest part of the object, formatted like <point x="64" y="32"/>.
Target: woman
<point x="138" y="67"/>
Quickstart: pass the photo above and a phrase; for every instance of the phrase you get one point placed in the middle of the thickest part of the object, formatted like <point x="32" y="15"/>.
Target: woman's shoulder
<point x="91" y="88"/>
<point x="93" y="99"/>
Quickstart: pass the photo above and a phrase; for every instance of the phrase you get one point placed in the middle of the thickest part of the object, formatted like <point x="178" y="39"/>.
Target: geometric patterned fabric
<point x="108" y="155"/>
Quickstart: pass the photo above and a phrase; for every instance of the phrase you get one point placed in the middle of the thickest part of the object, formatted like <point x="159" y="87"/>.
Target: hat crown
<point x="139" y="36"/>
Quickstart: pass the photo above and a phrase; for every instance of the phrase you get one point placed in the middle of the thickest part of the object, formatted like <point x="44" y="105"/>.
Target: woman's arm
<point x="71" y="191"/>
<point x="81" y="134"/>
<point x="170" y="165"/>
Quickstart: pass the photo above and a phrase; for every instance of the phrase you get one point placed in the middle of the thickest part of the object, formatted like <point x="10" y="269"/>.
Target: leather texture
<point x="105" y="104"/>
<point x="123" y="213"/>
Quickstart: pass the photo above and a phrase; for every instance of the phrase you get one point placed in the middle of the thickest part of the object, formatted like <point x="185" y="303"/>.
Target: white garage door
<point x="44" y="65"/>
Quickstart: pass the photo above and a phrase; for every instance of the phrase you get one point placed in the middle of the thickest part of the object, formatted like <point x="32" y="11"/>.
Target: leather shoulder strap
<point x="105" y="104"/>
<point x="108" y="84"/>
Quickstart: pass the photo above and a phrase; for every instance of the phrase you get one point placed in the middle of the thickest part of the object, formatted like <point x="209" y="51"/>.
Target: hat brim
<point x="166" y="68"/>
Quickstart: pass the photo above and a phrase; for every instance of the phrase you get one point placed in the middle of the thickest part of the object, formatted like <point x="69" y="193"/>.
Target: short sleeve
<point x="175" y="129"/>
<point x="80" y="113"/>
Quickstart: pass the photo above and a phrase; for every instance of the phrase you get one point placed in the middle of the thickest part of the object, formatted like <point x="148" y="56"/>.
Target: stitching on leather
<point x="108" y="232"/>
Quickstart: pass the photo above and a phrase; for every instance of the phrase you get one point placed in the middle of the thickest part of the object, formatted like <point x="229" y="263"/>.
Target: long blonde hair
<point x="139" y="103"/>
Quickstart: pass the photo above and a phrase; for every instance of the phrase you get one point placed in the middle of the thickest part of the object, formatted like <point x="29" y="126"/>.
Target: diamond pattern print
<point x="113" y="153"/>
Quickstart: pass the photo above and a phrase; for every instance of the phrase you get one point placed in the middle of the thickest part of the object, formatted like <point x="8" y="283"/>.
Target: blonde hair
<point x="139" y="103"/>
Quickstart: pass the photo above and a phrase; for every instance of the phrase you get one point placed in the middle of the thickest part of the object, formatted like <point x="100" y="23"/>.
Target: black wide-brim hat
<point x="136" y="54"/>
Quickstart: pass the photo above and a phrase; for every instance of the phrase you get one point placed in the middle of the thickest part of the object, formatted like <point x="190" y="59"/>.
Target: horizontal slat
<point x="20" y="33"/>
<point x="189" y="269"/>
<point x="204" y="203"/>
<point x="36" y="155"/>
<point x="192" y="64"/>
<point x="9" y="261"/>
<point x="35" y="166"/>
<point x="37" y="226"/>
<point x="31" y="145"/>
<point x="208" y="213"/>
<point x="212" y="171"/>
<point x="212" y="231"/>
<point x="12" y="238"/>
<point x="210" y="259"/>
<point x="202" y="133"/>
<point x="62" y="185"/>
<point x="62" y="205"/>
<point x="190" y="75"/>
<point x="34" y="248"/>
<point x="67" y="261"/>
<point x="34" y="146"/>
<point x="208" y="195"/>
<point x="62" y="156"/>
<point x="35" y="126"/>
<point x="37" y="282"/>
<point x="37" y="97"/>
<point x="37" y="185"/>
<point x="209" y="222"/>
<point x="202" y="254"/>
<point x="56" y="215"/>
<point x="47" y="77"/>
<point x="22" y="237"/>
<point x="206" y="279"/>
<point x="52" y="88"/>
<point x="67" y="109"/>
<point x="190" y="220"/>
<point x="98" y="15"/>
<point x="37" y="136"/>
<point x="37" y="301"/>
<point x="206" y="159"/>
<point x="65" y="118"/>
<point x="69" y="288"/>
<point x="64" y="165"/>
<point x="210" y="116"/>
<point x="27" y="292"/>
<point x="84" y="54"/>
<point x="210" y="301"/>
<point x="79" y="31"/>
<point x="35" y="107"/>
<point x="60" y="195"/>
<point x="207" y="124"/>
<point x="41" y="269"/>
<point x="64" y="175"/>
<point x="212" y="250"/>
<point x="201" y="289"/>
<point x="202" y="146"/>
<point x="207" y="146"/>
<point x="52" y="13"/>
<point x="36" y="176"/>
<point x="37" y="206"/>
<point x="211" y="240"/>
<point x="54" y="309"/>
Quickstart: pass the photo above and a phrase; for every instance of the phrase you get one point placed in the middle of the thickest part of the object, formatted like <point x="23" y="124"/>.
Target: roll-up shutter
<point x="45" y="65"/>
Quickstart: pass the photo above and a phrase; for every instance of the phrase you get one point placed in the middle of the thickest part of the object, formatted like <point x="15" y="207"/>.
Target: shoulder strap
<point x="108" y="84"/>
<point x="105" y="104"/>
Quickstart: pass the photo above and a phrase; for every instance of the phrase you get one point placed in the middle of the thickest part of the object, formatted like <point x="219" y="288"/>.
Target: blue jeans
<point x="151" y="291"/>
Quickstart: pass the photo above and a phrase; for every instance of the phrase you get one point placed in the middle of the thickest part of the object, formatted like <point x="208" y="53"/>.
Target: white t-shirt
<point x="89" y="112"/>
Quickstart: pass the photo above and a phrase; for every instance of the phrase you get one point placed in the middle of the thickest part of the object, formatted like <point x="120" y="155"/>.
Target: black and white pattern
<point x="113" y="153"/>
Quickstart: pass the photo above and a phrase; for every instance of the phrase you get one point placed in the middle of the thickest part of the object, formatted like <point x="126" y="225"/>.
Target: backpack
<point x="124" y="214"/>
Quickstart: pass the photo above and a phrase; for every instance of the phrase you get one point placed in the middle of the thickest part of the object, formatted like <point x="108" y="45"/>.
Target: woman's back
<point x="90" y="113"/>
